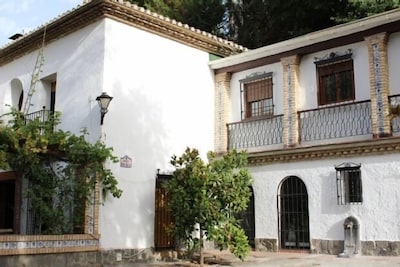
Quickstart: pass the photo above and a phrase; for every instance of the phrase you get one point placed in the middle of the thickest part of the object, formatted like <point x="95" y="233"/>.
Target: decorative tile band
<point x="378" y="89"/>
<point x="220" y="113"/>
<point x="290" y="104"/>
<point x="91" y="213"/>
<point x="48" y="244"/>
<point x="39" y="244"/>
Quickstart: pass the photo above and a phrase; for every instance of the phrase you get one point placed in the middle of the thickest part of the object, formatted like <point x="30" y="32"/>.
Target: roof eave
<point x="309" y="39"/>
<point x="123" y="12"/>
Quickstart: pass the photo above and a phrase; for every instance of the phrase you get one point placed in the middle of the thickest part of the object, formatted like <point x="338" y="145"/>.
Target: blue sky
<point x="22" y="16"/>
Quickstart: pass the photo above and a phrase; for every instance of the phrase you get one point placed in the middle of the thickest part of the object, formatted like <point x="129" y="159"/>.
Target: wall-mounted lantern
<point x="104" y="101"/>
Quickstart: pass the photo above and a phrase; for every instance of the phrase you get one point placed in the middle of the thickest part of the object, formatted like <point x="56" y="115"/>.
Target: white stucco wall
<point x="308" y="90"/>
<point x="76" y="62"/>
<point x="380" y="174"/>
<point x="394" y="63"/>
<point x="277" y="80"/>
<point x="307" y="97"/>
<point x="377" y="214"/>
<point x="308" y="84"/>
<point x="163" y="102"/>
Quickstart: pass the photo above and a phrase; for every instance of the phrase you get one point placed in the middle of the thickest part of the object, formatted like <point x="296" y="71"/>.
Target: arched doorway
<point x="17" y="94"/>
<point x="247" y="220"/>
<point x="293" y="215"/>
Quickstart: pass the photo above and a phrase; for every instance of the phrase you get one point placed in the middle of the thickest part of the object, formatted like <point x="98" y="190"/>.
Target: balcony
<point x="322" y="126"/>
<point x="336" y="122"/>
<point x="41" y="115"/>
<point x="395" y="101"/>
<point x="255" y="133"/>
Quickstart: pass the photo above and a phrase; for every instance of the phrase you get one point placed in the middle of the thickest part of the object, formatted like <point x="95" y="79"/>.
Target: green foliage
<point x="256" y="23"/>
<point x="205" y="15"/>
<point x="357" y="9"/>
<point x="59" y="169"/>
<point x="210" y="195"/>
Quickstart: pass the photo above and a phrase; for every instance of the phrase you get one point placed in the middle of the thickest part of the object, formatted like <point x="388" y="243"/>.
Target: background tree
<point x="357" y="9"/>
<point x="256" y="23"/>
<point x="206" y="15"/>
<point x="210" y="195"/>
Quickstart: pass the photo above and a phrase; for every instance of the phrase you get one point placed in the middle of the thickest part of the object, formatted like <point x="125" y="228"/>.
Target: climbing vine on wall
<point x="58" y="171"/>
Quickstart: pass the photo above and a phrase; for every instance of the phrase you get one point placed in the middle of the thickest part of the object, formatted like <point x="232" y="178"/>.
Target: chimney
<point x="15" y="36"/>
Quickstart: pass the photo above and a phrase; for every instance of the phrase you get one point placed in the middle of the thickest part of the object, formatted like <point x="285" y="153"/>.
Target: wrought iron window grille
<point x="333" y="57"/>
<point x="349" y="184"/>
<point x="256" y="95"/>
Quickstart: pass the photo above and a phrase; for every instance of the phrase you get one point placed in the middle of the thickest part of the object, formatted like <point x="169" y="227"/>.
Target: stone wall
<point x="368" y="248"/>
<point x="125" y="256"/>
<point x="121" y="257"/>
<point x="380" y="248"/>
<point x="74" y="259"/>
<point x="266" y="244"/>
<point x="321" y="246"/>
<point x="83" y="259"/>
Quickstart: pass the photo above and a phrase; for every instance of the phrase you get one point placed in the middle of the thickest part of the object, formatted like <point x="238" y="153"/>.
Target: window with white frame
<point x="349" y="184"/>
<point x="257" y="96"/>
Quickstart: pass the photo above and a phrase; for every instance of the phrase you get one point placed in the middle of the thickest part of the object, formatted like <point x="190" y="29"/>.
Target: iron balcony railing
<point x="255" y="133"/>
<point x="353" y="119"/>
<point x="394" y="101"/>
<point x="347" y="120"/>
<point x="41" y="115"/>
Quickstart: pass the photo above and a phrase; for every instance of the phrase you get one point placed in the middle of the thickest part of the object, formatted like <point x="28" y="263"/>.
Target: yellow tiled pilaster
<point x="222" y="111"/>
<point x="290" y="90"/>
<point x="92" y="212"/>
<point x="379" y="83"/>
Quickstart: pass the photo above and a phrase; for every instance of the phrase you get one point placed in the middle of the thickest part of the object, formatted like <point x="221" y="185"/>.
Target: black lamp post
<point x="103" y="100"/>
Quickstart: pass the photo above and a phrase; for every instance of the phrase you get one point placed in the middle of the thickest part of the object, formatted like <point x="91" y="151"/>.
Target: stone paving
<point x="282" y="259"/>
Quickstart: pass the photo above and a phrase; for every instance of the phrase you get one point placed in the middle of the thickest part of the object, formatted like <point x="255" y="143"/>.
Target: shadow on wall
<point x="134" y="127"/>
<point x="329" y="201"/>
<point x="79" y="79"/>
<point x="329" y="206"/>
<point x="336" y="230"/>
<point x="139" y="121"/>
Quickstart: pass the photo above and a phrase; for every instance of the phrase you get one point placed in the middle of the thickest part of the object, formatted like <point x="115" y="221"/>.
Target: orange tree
<point x="209" y="195"/>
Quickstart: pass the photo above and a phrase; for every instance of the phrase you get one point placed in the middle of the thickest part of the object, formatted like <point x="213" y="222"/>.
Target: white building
<point x="315" y="114"/>
<point x="157" y="72"/>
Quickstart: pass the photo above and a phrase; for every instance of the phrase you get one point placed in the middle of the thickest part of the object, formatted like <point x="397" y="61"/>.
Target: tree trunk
<point x="201" y="248"/>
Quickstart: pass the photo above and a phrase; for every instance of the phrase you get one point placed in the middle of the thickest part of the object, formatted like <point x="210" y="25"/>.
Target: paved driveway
<point x="265" y="259"/>
<point x="308" y="260"/>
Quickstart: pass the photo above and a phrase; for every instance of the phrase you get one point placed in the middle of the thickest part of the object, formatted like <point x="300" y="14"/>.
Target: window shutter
<point x="258" y="90"/>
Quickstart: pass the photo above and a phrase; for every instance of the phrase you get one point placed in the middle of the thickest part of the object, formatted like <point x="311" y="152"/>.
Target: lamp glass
<point x="104" y="100"/>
